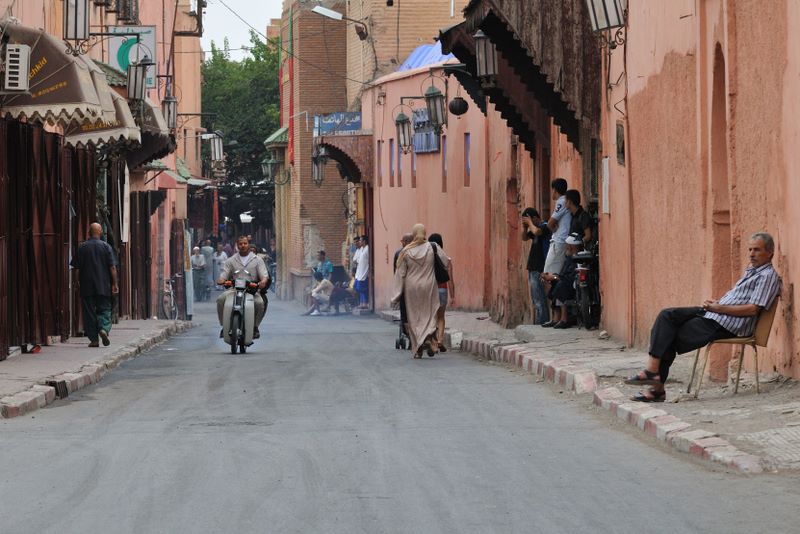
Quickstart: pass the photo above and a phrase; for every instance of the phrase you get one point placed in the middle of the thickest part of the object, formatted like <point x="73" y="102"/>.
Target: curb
<point x="675" y="433"/>
<point x="550" y="368"/>
<point x="44" y="393"/>
<point x="653" y="421"/>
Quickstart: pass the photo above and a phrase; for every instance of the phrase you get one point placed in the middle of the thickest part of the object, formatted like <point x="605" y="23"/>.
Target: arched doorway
<point x="719" y="185"/>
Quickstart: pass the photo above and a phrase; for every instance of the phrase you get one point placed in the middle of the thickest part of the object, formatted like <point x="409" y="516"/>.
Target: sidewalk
<point x="746" y="432"/>
<point x="72" y="365"/>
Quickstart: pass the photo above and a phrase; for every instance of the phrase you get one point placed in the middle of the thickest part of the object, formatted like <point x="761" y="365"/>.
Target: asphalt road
<point x="324" y="427"/>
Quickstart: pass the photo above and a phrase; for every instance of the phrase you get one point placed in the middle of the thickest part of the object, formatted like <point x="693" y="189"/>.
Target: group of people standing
<point x="206" y="264"/>
<point x="551" y="268"/>
<point x="420" y="292"/>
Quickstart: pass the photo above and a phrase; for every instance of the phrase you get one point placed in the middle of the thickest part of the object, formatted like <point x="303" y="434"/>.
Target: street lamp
<point x="170" y="109"/>
<point x="361" y="28"/>
<point x="403" y="124"/>
<point x="76" y="20"/>
<point x="137" y="78"/>
<point x="435" y="102"/>
<point x="217" y="153"/>
<point x="485" y="56"/>
<point x="607" y="15"/>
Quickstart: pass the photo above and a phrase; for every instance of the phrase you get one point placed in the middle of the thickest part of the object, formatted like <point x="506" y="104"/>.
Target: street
<point x="324" y="427"/>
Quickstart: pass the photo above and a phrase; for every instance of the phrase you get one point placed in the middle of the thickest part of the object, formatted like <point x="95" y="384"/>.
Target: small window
<point x="444" y="164"/>
<point x="391" y="162"/>
<point x="399" y="165"/>
<point x="467" y="163"/>
<point x="379" y="158"/>
<point x="620" y="143"/>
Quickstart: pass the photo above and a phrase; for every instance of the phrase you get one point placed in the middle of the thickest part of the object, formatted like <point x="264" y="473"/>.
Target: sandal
<point x="650" y="396"/>
<point x="644" y="378"/>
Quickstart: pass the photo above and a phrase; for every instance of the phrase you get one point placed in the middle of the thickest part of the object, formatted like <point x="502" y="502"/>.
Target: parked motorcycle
<point x="239" y="314"/>
<point x="587" y="290"/>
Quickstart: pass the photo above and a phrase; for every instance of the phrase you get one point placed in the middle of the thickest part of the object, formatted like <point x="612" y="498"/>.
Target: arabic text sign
<point x="343" y="121"/>
<point x="124" y="50"/>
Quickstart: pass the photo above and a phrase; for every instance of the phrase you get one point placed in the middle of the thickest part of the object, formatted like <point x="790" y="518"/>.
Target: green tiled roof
<point x="279" y="137"/>
<point x="155" y="165"/>
<point x="182" y="169"/>
<point x="114" y="77"/>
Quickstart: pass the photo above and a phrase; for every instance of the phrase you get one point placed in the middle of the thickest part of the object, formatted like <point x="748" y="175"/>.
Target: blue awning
<point x="423" y="55"/>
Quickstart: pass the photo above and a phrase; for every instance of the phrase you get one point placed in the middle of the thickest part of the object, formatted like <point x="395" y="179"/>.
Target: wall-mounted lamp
<point x="361" y="28"/>
<point x="137" y="78"/>
<point x="76" y="20"/>
<point x="271" y="170"/>
<point x="217" y="149"/>
<point x="607" y="15"/>
<point x="404" y="135"/>
<point x="169" y="107"/>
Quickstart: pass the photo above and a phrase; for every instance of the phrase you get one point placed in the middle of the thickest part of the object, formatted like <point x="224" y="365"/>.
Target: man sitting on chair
<point x="680" y="330"/>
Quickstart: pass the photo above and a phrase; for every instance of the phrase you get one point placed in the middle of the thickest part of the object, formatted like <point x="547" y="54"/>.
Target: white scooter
<point x="239" y="314"/>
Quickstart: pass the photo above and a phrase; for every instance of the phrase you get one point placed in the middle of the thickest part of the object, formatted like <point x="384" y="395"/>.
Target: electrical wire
<point x="292" y="54"/>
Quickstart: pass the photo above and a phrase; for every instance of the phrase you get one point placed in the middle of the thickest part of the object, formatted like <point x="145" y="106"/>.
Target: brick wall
<point x="382" y="52"/>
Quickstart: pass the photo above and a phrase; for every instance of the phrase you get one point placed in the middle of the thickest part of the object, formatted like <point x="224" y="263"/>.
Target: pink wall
<point x="457" y="214"/>
<point x="710" y="154"/>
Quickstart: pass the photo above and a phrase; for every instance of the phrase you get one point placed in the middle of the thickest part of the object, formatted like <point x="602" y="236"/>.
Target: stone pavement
<point x="746" y="432"/>
<point x="29" y="381"/>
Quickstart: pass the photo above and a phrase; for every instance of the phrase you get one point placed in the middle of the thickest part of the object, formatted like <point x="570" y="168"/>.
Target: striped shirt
<point x="757" y="286"/>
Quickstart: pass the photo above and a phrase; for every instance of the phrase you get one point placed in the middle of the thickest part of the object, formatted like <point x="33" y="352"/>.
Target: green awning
<point x="279" y="138"/>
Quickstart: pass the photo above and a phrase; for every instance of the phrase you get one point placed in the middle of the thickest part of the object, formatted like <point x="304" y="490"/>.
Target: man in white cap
<point x="563" y="284"/>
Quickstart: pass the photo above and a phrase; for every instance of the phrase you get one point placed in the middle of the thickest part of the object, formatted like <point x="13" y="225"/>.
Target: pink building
<point x="684" y="121"/>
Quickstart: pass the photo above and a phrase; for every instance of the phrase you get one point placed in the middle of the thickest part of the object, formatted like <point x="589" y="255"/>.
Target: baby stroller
<point x="402" y="342"/>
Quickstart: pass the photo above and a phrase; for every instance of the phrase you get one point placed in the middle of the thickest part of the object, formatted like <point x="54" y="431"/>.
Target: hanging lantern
<point x="76" y="20"/>
<point x="434" y="101"/>
<point x="170" y="108"/>
<point x="137" y="78"/>
<point x="458" y="106"/>
<point x="485" y="55"/>
<point x="404" y="137"/>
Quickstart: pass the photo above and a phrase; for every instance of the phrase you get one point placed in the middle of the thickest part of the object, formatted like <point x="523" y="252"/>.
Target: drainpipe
<point x="487" y="219"/>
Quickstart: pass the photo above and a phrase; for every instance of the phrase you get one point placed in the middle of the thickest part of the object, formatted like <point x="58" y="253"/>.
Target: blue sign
<point x="334" y="123"/>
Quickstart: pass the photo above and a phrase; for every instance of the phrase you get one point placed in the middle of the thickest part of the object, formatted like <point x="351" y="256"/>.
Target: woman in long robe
<point x="415" y="279"/>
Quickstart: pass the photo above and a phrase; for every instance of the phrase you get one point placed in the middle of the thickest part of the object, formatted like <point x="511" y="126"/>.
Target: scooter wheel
<point x="235" y="329"/>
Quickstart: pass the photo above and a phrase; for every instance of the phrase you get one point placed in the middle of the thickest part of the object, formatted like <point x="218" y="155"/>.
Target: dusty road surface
<point x="324" y="427"/>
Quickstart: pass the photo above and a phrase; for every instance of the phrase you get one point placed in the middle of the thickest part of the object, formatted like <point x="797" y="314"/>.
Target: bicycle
<point x="169" y="302"/>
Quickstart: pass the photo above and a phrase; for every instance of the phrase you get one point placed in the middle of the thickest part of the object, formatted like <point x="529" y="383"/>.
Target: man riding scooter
<point x="248" y="266"/>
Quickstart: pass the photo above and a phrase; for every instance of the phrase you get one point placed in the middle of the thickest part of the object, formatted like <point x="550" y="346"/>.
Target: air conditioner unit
<point x="18" y="66"/>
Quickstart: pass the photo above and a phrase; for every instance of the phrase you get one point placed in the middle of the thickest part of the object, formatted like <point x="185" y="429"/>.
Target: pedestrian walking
<point x="445" y="289"/>
<point x="97" y="279"/>
<point x="208" y="252"/>
<point x="415" y="280"/>
<point x="218" y="259"/>
<point x="198" y="262"/>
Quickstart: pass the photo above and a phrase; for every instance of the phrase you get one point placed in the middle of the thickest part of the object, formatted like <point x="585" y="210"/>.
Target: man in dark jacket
<point x="563" y="289"/>
<point x="97" y="278"/>
<point x="536" y="230"/>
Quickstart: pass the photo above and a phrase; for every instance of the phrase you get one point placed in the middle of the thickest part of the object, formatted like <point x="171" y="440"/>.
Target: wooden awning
<point x="551" y="47"/>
